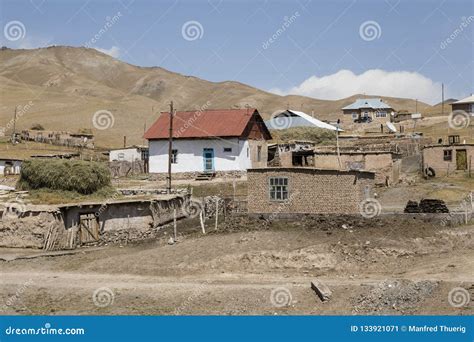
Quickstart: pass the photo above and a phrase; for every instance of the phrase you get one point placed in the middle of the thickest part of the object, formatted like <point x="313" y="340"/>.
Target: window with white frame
<point x="355" y="115"/>
<point x="278" y="187"/>
<point x="381" y="114"/>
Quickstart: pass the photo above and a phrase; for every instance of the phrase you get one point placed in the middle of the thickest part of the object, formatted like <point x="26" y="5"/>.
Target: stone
<point x="323" y="292"/>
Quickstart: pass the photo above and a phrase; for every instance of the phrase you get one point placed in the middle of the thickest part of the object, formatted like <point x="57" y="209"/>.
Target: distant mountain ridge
<point x="67" y="85"/>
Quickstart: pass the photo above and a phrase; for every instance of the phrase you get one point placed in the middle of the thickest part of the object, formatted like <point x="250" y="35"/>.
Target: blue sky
<point x="408" y="48"/>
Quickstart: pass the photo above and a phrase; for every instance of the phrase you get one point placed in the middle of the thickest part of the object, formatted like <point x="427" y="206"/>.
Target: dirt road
<point x="406" y="267"/>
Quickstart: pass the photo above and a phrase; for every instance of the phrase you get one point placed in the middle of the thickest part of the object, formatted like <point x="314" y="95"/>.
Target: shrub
<point x="37" y="127"/>
<point x="80" y="176"/>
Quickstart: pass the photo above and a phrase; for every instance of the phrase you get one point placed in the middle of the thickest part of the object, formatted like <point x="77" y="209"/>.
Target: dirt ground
<point x="251" y="266"/>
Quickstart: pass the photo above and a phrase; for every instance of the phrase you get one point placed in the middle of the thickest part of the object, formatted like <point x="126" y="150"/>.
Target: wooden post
<point x="217" y="213"/>
<point x="201" y="219"/>
<point x="170" y="147"/>
<point x="175" y="229"/>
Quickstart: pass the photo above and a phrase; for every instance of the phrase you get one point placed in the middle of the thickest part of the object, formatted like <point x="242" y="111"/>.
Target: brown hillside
<point x="67" y="85"/>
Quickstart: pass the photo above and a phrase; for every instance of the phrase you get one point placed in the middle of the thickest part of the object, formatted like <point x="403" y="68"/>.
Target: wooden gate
<point x="461" y="159"/>
<point x="88" y="228"/>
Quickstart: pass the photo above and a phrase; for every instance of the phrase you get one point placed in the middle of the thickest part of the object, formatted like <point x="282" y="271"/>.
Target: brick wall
<point x="310" y="191"/>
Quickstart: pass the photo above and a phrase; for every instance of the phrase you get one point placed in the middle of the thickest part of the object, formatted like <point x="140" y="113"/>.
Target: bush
<point x="37" y="127"/>
<point x="80" y="176"/>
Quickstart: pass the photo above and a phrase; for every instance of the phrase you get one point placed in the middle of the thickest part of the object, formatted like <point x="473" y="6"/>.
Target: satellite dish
<point x="391" y="127"/>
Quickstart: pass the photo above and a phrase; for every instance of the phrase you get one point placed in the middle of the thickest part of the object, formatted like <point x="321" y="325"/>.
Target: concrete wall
<point x="309" y="191"/>
<point x="433" y="156"/>
<point x="125" y="154"/>
<point x="190" y="154"/>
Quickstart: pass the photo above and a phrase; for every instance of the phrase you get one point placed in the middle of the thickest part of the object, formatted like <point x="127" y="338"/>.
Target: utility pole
<point x="14" y="126"/>
<point x="337" y="144"/>
<point x="170" y="146"/>
<point x="442" y="98"/>
<point x="416" y="105"/>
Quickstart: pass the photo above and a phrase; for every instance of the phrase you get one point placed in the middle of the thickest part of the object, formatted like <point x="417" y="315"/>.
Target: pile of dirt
<point x="394" y="296"/>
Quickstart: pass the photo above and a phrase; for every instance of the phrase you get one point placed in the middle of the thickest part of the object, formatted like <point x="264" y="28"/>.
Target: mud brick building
<point x="280" y="191"/>
<point x="446" y="159"/>
<point x="386" y="165"/>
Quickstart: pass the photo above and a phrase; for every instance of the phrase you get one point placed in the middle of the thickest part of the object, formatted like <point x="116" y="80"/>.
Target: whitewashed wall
<point x="129" y="154"/>
<point x="190" y="155"/>
<point x="16" y="167"/>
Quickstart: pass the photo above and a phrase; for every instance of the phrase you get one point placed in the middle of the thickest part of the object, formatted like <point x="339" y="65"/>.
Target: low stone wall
<point x="192" y="175"/>
<point x="125" y="168"/>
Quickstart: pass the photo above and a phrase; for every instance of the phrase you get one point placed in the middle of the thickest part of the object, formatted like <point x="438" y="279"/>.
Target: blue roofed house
<point x="367" y="110"/>
<point x="293" y="118"/>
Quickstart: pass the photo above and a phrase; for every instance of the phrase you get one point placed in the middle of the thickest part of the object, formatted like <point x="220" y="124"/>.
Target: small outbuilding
<point x="443" y="160"/>
<point x="287" y="191"/>
<point x="10" y="166"/>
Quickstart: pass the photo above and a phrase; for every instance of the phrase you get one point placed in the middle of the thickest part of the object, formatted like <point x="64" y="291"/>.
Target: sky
<point x="322" y="49"/>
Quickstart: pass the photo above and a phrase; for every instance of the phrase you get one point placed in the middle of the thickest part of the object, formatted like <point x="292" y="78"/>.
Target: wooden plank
<point x="323" y="292"/>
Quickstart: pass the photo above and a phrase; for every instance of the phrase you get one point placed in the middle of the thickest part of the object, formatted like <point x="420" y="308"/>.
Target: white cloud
<point x="114" y="51"/>
<point x="345" y="83"/>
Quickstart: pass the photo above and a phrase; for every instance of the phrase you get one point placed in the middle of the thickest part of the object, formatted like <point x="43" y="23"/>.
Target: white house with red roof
<point x="210" y="141"/>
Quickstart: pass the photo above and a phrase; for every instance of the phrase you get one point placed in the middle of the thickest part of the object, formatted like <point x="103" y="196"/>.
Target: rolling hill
<point x="64" y="86"/>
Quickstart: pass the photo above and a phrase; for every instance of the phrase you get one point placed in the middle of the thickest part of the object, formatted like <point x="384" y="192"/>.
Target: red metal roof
<point x="202" y="124"/>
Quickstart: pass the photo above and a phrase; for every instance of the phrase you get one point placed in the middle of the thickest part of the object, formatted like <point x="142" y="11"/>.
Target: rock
<point x="323" y="292"/>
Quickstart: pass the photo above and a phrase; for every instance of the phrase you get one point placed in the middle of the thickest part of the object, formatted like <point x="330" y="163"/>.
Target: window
<point x="259" y="153"/>
<point x="365" y="114"/>
<point x="248" y="152"/>
<point x="174" y="156"/>
<point x="121" y="156"/>
<point x="278" y="188"/>
<point x="453" y="139"/>
<point x="381" y="114"/>
<point x="355" y="115"/>
<point x="227" y="149"/>
<point x="448" y="155"/>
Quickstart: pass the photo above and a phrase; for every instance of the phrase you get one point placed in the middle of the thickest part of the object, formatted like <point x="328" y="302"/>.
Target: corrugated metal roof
<point x="469" y="99"/>
<point x="299" y="119"/>
<point x="368" y="103"/>
<point x="203" y="124"/>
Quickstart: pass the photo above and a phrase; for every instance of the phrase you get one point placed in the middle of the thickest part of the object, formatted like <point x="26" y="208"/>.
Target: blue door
<point x="208" y="156"/>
